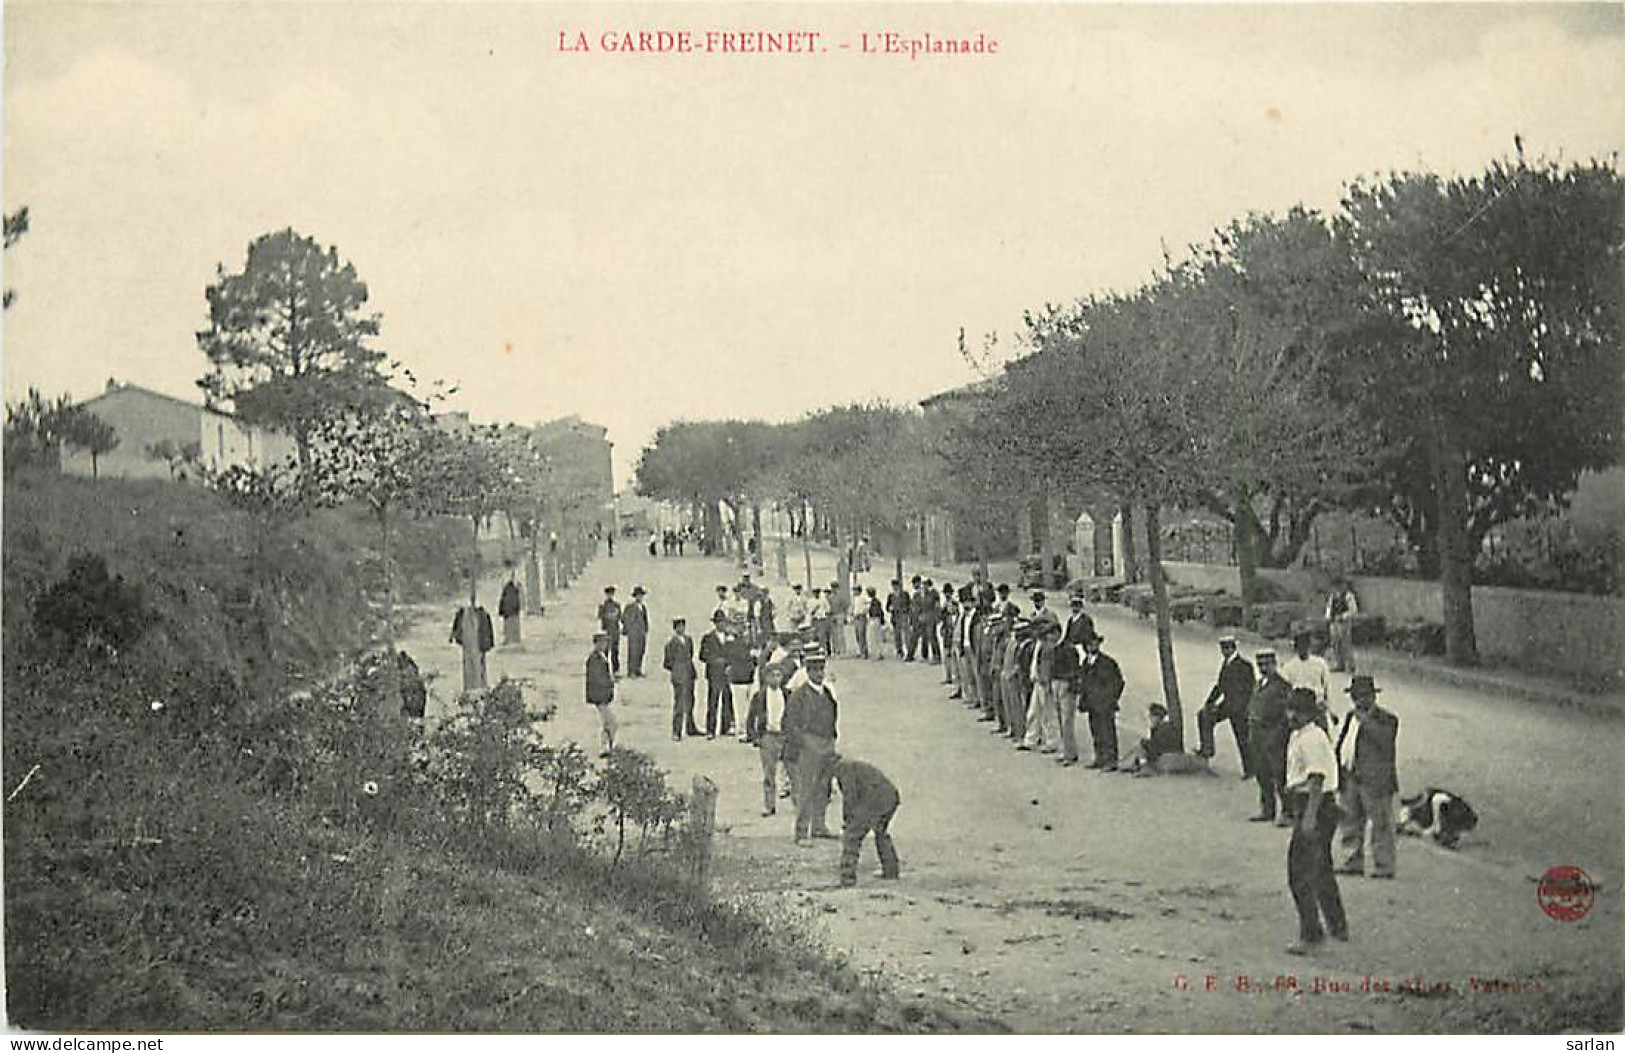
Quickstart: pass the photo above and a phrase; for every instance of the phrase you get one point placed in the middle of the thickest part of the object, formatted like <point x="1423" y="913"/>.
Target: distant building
<point x="145" y="420"/>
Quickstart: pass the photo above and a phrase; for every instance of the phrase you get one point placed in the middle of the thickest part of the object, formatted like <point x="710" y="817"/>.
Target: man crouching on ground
<point x="868" y="802"/>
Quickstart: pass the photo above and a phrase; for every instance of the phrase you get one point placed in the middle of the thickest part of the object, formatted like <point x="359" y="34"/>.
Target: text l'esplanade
<point x="773" y="42"/>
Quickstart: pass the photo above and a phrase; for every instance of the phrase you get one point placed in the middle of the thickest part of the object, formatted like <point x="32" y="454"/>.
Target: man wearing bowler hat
<point x="1369" y="781"/>
<point x="609" y="623"/>
<point x="679" y="662"/>
<point x="1100" y="686"/>
<point x="635" y="623"/>
<point x="1267" y="736"/>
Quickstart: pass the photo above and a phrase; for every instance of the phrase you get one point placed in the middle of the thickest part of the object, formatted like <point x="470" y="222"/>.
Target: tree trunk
<point x="806" y="551"/>
<point x="1455" y="555"/>
<point x="1131" y="565"/>
<point x="981" y="558"/>
<point x="1246" y="554"/>
<point x="760" y="559"/>
<point x="1046" y="539"/>
<point x="1165" y="628"/>
<point x="392" y="672"/>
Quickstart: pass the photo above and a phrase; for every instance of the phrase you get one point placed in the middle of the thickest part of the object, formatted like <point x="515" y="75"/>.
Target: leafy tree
<point x="174" y="455"/>
<point x="706" y="464"/>
<point x="1499" y="377"/>
<point x="288" y="339"/>
<point x="84" y="430"/>
<point x="870" y="466"/>
<point x="35" y="429"/>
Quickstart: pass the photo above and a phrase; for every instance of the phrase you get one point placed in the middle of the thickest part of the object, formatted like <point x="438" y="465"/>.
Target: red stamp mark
<point x="1565" y="893"/>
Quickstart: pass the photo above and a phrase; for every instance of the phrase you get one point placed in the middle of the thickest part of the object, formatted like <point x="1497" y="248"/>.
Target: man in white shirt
<point x="765" y="727"/>
<point x="1311" y="782"/>
<point x="1309" y="670"/>
<point x="1341" y="607"/>
<point x="795" y="610"/>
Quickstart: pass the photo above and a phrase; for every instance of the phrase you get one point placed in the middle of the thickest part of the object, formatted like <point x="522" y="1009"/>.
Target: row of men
<point x="791" y="719"/>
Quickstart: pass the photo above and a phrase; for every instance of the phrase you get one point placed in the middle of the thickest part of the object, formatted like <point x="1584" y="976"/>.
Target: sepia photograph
<point x="585" y="519"/>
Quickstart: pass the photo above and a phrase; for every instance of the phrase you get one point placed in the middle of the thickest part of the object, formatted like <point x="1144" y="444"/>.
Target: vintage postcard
<point x="813" y="518"/>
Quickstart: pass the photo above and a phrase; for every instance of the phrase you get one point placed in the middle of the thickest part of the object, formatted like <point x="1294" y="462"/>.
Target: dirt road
<point x="1067" y="900"/>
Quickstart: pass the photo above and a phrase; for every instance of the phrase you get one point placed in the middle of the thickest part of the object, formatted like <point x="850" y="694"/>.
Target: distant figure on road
<point x="897" y="611"/>
<point x="1341" y="607"/>
<point x="877" y="626"/>
<point x="601" y="688"/>
<point x="679" y="662"/>
<point x="1267" y="735"/>
<point x="869" y="802"/>
<point x="795" y="608"/>
<point x="1311" y="784"/>
<point x="927" y="621"/>
<point x="509" y="607"/>
<point x="471" y="628"/>
<point x="609" y="623"/>
<point x="840" y="605"/>
<point x="1230" y="699"/>
<point x="809" y="738"/>
<point x="635" y="622"/>
<point x="609" y="540"/>
<point x="1369" y="781"/>
<point x="860" y="621"/>
<point x="653" y="544"/>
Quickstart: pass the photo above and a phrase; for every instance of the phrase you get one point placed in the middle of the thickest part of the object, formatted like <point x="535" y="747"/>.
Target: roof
<point x="985" y="386"/>
<point x="118" y="389"/>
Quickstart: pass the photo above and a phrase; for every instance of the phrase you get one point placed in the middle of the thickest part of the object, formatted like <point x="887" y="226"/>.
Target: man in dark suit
<point x="635" y="622"/>
<point x="609" y="623"/>
<point x="809" y="738"/>
<point x="1079" y="626"/>
<point x="601" y="688"/>
<point x="718" y="690"/>
<point x="926" y="619"/>
<point x="1100" y="686"/>
<point x="897" y="606"/>
<point x="679" y="662"/>
<point x="869" y="801"/>
<point x="1230" y="698"/>
<point x="1370" y="781"/>
<point x="1267" y="734"/>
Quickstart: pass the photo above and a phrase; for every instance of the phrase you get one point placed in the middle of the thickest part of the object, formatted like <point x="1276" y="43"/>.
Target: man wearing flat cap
<point x="609" y="623"/>
<point x="809" y="738"/>
<point x="1267" y="735"/>
<point x="1369" y="781"/>
<point x="1311" y="785"/>
<point x="601" y="687"/>
<point x="679" y="662"/>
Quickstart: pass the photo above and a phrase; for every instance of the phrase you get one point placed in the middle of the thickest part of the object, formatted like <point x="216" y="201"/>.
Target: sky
<point x="641" y="238"/>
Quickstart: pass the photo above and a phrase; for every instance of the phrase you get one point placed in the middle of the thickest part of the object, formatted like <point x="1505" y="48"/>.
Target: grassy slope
<point x="155" y="881"/>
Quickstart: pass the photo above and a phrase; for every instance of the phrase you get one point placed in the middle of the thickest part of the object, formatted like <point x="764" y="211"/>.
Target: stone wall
<point x="1571" y="633"/>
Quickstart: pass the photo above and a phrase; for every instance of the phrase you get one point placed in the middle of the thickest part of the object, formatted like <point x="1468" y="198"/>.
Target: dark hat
<point x="1302" y="636"/>
<point x="609" y="588"/>
<point x="722" y="588"/>
<point x="679" y="623"/>
<point x="796" y="586"/>
<point x="1303" y="700"/>
<point x="599" y="635"/>
<point x="1076" y="599"/>
<point x="928" y="581"/>
<point x="1362" y="685"/>
<point x="915" y="580"/>
<point x="1093" y="638"/>
<point x="1158" y="707"/>
<point x="637" y="590"/>
<point x="1037" y="594"/>
<point x="719" y="616"/>
<point x="1002" y="589"/>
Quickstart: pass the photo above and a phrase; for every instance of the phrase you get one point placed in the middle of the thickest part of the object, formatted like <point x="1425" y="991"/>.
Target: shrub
<point x="89" y="608"/>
